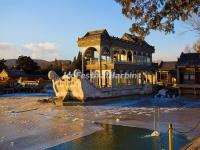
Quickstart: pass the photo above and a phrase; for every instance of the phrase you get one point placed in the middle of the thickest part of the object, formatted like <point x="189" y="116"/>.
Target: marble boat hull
<point x="74" y="87"/>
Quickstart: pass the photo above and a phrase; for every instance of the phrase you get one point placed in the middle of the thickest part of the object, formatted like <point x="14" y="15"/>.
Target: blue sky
<point x="46" y="29"/>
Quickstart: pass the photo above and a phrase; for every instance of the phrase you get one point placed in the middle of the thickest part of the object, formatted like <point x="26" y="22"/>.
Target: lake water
<point x="115" y="137"/>
<point x="179" y="102"/>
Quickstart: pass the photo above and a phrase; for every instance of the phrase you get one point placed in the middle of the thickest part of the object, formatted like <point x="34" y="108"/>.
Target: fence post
<point x="170" y="137"/>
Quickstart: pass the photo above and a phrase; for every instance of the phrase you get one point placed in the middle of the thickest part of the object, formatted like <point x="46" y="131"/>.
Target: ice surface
<point x="48" y="93"/>
<point x="49" y="125"/>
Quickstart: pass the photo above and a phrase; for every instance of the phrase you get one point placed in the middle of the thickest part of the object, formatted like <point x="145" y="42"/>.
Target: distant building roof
<point x="189" y="59"/>
<point x="167" y="65"/>
<point x="14" y="73"/>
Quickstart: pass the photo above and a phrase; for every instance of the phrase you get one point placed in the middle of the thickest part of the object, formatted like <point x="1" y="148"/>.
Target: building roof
<point x="189" y="59"/>
<point x="127" y="40"/>
<point x="129" y="37"/>
<point x="97" y="32"/>
<point x="134" y="39"/>
<point x="167" y="65"/>
<point x="14" y="73"/>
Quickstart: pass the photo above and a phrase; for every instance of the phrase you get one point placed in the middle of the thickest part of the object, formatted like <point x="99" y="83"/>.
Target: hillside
<point x="40" y="62"/>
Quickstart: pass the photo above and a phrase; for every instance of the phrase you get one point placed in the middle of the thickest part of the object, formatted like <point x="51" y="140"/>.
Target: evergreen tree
<point x="57" y="66"/>
<point x="2" y="64"/>
<point x="79" y="61"/>
<point x="45" y="68"/>
<point x="27" y="64"/>
<point x="76" y="63"/>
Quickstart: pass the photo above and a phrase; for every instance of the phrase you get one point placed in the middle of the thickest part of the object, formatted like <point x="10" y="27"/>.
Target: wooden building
<point x="166" y="74"/>
<point x="105" y="55"/>
<point x="188" y="73"/>
<point x="11" y="75"/>
<point x="31" y="80"/>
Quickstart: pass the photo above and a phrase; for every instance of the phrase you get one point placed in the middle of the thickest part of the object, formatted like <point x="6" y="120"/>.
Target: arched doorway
<point x="116" y="56"/>
<point x="105" y="54"/>
<point x="91" y="55"/>
<point x="123" y="56"/>
<point x="129" y="56"/>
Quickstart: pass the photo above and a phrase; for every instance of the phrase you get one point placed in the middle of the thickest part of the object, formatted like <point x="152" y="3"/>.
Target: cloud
<point x="42" y="46"/>
<point x="9" y="50"/>
<point x="42" y="50"/>
<point x="45" y="50"/>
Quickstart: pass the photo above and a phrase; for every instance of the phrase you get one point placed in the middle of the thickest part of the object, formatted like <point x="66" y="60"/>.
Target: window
<point x="192" y="77"/>
<point x="163" y="76"/>
<point x="189" y="75"/>
<point x="148" y="60"/>
<point x="186" y="77"/>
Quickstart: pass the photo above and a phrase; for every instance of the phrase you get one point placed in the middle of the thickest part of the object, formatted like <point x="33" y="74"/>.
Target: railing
<point x="92" y="61"/>
<point x="119" y="62"/>
<point x="188" y="85"/>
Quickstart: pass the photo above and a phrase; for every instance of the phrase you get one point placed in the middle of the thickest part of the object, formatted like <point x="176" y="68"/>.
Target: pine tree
<point x="2" y="64"/>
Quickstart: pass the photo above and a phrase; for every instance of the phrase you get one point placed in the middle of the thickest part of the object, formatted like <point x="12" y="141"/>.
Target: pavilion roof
<point x="126" y="40"/>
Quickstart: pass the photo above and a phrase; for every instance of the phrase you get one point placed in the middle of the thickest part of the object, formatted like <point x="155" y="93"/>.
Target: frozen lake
<point x="157" y="102"/>
<point x="114" y="137"/>
<point x="29" y="124"/>
<point x="48" y="93"/>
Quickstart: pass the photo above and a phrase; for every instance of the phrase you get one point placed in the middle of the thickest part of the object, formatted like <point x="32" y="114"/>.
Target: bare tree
<point x="193" y="49"/>
<point x="194" y="23"/>
<point x="196" y="46"/>
<point x="187" y="49"/>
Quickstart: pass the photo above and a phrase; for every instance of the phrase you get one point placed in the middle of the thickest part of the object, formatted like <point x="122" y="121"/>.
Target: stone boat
<point x="74" y="87"/>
